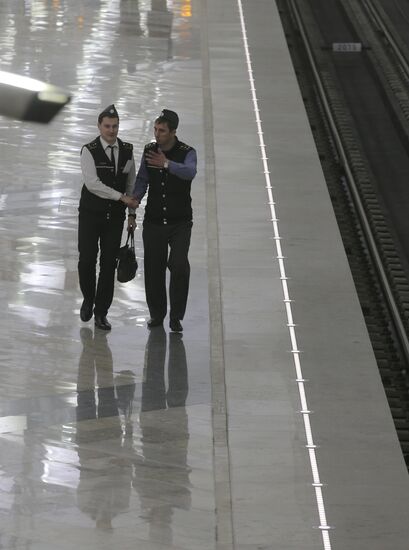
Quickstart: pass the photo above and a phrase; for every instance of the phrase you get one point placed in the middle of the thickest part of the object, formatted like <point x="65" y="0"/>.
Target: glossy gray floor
<point x="154" y="440"/>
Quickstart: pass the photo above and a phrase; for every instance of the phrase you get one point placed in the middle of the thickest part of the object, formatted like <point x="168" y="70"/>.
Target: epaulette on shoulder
<point x="150" y="145"/>
<point x="127" y="145"/>
<point x="184" y="146"/>
<point x="92" y="145"/>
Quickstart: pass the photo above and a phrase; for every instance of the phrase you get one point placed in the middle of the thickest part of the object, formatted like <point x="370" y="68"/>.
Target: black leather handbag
<point x="127" y="263"/>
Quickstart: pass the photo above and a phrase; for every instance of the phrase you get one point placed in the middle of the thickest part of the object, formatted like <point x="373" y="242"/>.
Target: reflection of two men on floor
<point x="117" y="454"/>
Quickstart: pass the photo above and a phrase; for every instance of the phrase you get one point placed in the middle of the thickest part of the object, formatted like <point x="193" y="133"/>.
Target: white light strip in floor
<point x="317" y="484"/>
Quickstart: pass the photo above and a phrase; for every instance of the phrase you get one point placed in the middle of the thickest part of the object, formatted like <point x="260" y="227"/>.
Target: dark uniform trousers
<point x="96" y="232"/>
<point x="166" y="246"/>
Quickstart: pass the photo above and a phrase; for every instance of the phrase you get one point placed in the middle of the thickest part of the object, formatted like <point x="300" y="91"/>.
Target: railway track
<point x="357" y="103"/>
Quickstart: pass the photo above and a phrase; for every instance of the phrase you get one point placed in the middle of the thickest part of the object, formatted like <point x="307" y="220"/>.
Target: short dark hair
<point x="106" y="115"/>
<point x="170" y="117"/>
<point x="164" y="120"/>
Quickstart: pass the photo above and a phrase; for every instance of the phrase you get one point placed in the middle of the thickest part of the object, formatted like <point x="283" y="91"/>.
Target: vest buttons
<point x="164" y="208"/>
<point x="163" y="195"/>
<point x="162" y="183"/>
<point x="165" y="222"/>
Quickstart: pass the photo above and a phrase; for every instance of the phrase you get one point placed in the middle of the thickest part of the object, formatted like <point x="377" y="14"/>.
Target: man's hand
<point x="156" y="159"/>
<point x="131" y="202"/>
<point x="131" y="223"/>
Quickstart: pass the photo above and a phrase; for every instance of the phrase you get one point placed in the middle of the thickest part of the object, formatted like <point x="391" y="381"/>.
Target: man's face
<point x="108" y="128"/>
<point x="163" y="136"/>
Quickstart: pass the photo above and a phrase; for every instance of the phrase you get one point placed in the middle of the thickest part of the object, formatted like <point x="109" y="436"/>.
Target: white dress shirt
<point x="92" y="181"/>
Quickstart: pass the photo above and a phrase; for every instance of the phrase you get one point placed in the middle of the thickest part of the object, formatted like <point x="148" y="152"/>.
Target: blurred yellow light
<point x="186" y="9"/>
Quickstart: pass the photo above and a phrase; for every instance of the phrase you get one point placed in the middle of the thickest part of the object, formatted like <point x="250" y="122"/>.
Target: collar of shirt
<point x="105" y="144"/>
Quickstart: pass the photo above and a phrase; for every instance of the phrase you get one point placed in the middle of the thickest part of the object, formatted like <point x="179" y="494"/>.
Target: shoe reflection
<point x="161" y="474"/>
<point x="103" y="444"/>
<point x="154" y="392"/>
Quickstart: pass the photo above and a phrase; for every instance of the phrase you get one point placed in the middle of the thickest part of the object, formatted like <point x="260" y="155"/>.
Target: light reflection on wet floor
<point x="105" y="439"/>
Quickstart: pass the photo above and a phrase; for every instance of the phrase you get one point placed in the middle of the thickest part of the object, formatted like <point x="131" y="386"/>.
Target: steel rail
<point x="371" y="9"/>
<point x="370" y="240"/>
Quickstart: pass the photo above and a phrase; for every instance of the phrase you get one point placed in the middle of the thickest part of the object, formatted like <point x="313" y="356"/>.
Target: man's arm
<point x="95" y="185"/>
<point x="142" y="181"/>
<point x="92" y="181"/>
<point x="184" y="170"/>
<point x="130" y="182"/>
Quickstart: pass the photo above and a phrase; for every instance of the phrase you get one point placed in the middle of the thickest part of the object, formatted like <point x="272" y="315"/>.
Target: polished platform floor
<point x="263" y="427"/>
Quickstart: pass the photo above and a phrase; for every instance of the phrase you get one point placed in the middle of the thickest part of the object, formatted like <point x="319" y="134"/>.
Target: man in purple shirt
<point x="167" y="169"/>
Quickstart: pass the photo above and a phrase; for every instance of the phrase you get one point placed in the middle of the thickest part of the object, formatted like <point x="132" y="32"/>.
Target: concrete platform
<point x="265" y="426"/>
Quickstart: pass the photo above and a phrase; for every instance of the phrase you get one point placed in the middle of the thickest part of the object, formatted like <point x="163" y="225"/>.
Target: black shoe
<point x="175" y="325"/>
<point x="102" y="322"/>
<point x="86" y="311"/>
<point x="152" y="323"/>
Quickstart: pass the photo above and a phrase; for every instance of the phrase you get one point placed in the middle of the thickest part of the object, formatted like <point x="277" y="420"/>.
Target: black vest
<point x="169" y="199"/>
<point x="105" y="171"/>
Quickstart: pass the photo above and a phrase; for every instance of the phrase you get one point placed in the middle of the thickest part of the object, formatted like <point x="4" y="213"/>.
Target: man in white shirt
<point x="108" y="171"/>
